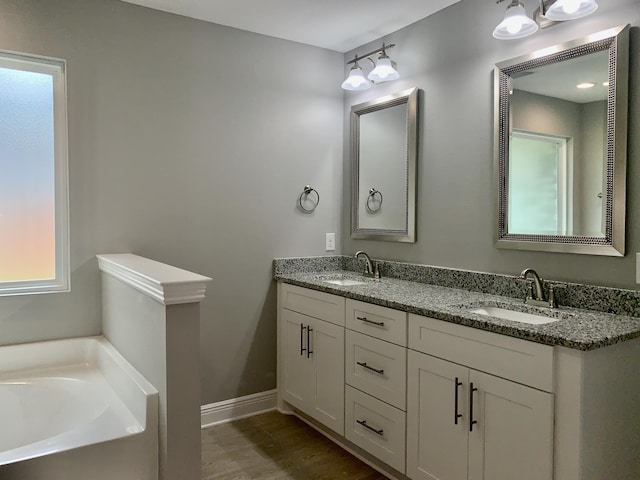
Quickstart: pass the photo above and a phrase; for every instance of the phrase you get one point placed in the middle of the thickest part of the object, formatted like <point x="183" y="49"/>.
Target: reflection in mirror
<point x="384" y="149"/>
<point x="383" y="168"/>
<point x="561" y="147"/>
<point x="557" y="152"/>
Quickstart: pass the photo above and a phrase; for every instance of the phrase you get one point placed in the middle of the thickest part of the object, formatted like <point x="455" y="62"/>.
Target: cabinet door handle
<point x="472" y="422"/>
<point x="309" y="351"/>
<point x="364" y="365"/>
<point x="366" y="320"/>
<point x="456" y="415"/>
<point x="302" y="349"/>
<point x="364" y="424"/>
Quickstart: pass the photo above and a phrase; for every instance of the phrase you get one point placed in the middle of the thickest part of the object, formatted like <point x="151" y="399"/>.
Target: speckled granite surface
<point x="590" y="297"/>
<point x="424" y="294"/>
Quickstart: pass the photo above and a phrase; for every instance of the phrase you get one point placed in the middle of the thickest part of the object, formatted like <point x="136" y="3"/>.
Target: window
<point x="34" y="238"/>
<point x="540" y="190"/>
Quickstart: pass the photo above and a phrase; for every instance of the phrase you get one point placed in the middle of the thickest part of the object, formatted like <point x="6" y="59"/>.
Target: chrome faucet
<point x="538" y="298"/>
<point x="370" y="269"/>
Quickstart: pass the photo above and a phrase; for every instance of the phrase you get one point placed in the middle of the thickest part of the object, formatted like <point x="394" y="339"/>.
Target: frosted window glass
<point x="27" y="180"/>
<point x="34" y="230"/>
<point x="533" y="187"/>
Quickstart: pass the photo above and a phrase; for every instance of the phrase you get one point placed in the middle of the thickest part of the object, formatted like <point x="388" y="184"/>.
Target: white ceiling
<point x="339" y="25"/>
<point x="559" y="80"/>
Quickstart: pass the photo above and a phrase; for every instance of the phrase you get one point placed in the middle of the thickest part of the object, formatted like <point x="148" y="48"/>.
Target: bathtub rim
<point x="137" y="394"/>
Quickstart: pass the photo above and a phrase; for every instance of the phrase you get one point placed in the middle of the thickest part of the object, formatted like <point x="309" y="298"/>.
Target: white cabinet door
<point x="513" y="436"/>
<point x="313" y="367"/>
<point x="504" y="429"/>
<point x="436" y="444"/>
<point x="298" y="385"/>
<point x="326" y="351"/>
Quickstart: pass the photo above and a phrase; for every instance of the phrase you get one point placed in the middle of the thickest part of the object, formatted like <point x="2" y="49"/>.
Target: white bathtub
<point x="75" y="409"/>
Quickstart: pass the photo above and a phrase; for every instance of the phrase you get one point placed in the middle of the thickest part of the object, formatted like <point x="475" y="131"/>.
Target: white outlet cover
<point x="330" y="242"/>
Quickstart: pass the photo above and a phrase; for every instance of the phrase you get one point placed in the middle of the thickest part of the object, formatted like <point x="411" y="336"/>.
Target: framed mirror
<point x="560" y="146"/>
<point x="384" y="149"/>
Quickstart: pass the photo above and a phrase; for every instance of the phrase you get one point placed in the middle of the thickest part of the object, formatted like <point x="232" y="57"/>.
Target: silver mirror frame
<point x="410" y="97"/>
<point x="616" y="41"/>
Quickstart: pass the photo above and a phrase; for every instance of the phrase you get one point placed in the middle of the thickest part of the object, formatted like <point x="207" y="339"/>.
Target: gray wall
<point x="450" y="56"/>
<point x="594" y="121"/>
<point x="189" y="144"/>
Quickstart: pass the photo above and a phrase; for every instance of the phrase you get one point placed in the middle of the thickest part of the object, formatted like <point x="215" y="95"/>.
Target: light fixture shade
<point x="356" y="80"/>
<point x="562" y="10"/>
<point x="384" y="71"/>
<point x="516" y="23"/>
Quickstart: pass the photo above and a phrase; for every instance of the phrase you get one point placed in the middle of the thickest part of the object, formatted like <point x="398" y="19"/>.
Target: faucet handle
<point x="530" y="290"/>
<point x="376" y="270"/>
<point x="529" y="287"/>
<point x="553" y="288"/>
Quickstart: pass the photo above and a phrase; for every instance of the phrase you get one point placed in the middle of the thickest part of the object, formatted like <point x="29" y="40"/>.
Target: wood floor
<point x="275" y="446"/>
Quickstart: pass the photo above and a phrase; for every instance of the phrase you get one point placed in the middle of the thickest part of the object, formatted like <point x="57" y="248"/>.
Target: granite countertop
<point x="576" y="328"/>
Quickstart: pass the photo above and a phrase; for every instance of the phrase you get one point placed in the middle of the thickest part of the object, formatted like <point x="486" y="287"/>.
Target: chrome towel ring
<point x="305" y="193"/>
<point x="372" y="197"/>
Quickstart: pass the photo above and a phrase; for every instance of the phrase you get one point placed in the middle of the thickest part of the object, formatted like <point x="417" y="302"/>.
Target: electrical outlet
<point x="330" y="242"/>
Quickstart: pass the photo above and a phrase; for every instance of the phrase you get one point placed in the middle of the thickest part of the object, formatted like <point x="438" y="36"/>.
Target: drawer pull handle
<point x="366" y="320"/>
<point x="364" y="424"/>
<point x="456" y="415"/>
<point x="309" y="351"/>
<point x="472" y="422"/>
<point x="302" y="349"/>
<point x="364" y="365"/>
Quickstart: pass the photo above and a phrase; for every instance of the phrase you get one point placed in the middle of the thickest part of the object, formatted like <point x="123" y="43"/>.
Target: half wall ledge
<point x="164" y="283"/>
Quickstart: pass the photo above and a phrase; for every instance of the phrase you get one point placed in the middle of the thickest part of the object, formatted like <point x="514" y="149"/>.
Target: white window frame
<point x="57" y="69"/>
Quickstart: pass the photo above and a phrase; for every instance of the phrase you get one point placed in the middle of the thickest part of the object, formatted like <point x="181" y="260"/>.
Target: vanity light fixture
<point x="562" y="10"/>
<point x="517" y="24"/>
<point x="384" y="70"/>
<point x="356" y="79"/>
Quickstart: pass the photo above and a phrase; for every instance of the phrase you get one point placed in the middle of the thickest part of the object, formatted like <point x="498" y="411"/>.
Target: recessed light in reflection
<point x="586" y="85"/>
<point x="605" y="84"/>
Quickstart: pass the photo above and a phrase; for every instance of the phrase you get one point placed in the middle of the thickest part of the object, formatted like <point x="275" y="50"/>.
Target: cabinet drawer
<point x="375" y="427"/>
<point x="377" y="368"/>
<point x="313" y="303"/>
<point x="380" y="322"/>
<point x="524" y="362"/>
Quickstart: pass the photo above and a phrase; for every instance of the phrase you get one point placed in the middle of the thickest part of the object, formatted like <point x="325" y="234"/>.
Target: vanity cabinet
<point x="312" y="354"/>
<point x="466" y="424"/>
<point x="436" y="400"/>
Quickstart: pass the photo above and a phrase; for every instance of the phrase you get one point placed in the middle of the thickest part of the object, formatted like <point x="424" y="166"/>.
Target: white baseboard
<point x="236" y="408"/>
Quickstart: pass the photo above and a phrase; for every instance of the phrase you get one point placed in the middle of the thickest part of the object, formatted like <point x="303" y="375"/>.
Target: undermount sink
<point x="513" y="315"/>
<point x="344" y="282"/>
